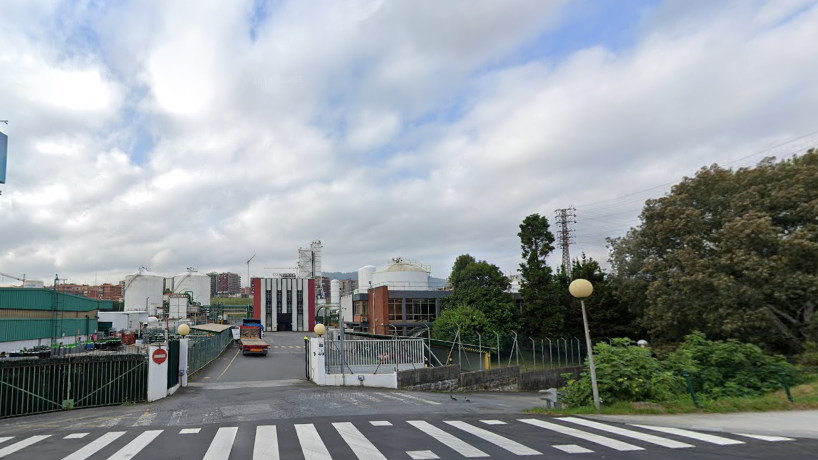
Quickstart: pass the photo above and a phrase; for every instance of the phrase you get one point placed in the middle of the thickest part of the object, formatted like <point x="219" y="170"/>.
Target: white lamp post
<point x="582" y="289"/>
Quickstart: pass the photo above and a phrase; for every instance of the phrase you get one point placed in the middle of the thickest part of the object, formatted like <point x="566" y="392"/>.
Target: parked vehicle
<point x="251" y="338"/>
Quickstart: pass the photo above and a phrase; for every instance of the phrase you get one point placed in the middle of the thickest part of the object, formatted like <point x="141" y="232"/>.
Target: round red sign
<point x="159" y="356"/>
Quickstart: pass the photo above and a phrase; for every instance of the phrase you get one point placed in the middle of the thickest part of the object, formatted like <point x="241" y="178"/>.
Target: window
<point x="299" y="302"/>
<point x="420" y="310"/>
<point x="361" y="307"/>
<point x="395" y="309"/>
<point x="279" y="303"/>
<point x="269" y="315"/>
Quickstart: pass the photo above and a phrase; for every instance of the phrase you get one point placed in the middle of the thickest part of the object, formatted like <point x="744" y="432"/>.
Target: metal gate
<point x="52" y="384"/>
<point x="173" y="363"/>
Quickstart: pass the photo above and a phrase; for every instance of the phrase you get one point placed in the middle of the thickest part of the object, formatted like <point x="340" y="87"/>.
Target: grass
<point x="805" y="397"/>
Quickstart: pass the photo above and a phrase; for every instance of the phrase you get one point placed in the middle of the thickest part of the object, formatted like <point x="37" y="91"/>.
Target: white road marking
<point x="461" y="447"/>
<point x="311" y="444"/>
<point x="692" y="434"/>
<point x="222" y="444"/>
<point x="493" y="422"/>
<point x="8" y="450"/>
<point x="176" y="417"/>
<point x="2" y="440"/>
<point x="500" y="441"/>
<point x="95" y="446"/>
<point x="573" y="449"/>
<point x="145" y="419"/>
<point x="762" y="437"/>
<point x="360" y="445"/>
<point x="664" y="442"/>
<point x="388" y="396"/>
<point x="134" y="447"/>
<point x="190" y="431"/>
<point x="380" y="423"/>
<point x="110" y="423"/>
<point x="76" y="436"/>
<point x="425" y="401"/>
<point x="422" y="454"/>
<point x="595" y="438"/>
<point x="266" y="445"/>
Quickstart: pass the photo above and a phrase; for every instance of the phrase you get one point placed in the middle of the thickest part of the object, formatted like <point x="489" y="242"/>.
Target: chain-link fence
<point x="204" y="348"/>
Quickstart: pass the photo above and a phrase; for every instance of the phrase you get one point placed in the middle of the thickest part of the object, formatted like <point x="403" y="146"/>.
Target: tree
<point x="731" y="253"/>
<point x="542" y="315"/>
<point x="480" y="301"/>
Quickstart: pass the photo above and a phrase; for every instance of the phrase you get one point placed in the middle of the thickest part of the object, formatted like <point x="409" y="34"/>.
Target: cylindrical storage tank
<point x="403" y="277"/>
<point x="335" y="291"/>
<point x="143" y="292"/>
<point x="195" y="282"/>
<point x="365" y="276"/>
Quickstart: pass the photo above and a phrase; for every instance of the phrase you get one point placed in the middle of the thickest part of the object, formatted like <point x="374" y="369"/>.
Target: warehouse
<point x="32" y="318"/>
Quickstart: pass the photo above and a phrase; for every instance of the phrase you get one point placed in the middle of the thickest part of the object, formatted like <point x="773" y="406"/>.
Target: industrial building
<point x="398" y="298"/>
<point x="32" y="318"/>
<point x="285" y="303"/>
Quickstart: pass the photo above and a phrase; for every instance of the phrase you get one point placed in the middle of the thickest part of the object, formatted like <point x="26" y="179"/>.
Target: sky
<point x="200" y="133"/>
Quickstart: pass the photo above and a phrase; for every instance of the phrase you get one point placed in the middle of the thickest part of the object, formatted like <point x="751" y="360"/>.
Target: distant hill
<point x="341" y="275"/>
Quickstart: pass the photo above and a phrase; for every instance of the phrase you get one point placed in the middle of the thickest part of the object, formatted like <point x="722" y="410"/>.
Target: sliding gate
<point x="32" y="386"/>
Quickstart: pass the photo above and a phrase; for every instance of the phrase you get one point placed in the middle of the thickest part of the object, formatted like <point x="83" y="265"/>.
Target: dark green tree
<point x="542" y="314"/>
<point x="732" y="253"/>
<point x="479" y="302"/>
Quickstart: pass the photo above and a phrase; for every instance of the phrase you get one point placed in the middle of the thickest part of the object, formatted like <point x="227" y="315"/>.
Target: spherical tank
<point x="143" y="292"/>
<point x="195" y="282"/>
<point x="335" y="291"/>
<point x="403" y="277"/>
<point x="365" y="276"/>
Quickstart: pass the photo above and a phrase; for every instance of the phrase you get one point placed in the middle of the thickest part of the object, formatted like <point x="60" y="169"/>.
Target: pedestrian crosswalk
<point x="372" y="440"/>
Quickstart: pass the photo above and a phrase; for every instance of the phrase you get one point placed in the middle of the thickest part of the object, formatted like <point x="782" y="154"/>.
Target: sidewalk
<point x="797" y="424"/>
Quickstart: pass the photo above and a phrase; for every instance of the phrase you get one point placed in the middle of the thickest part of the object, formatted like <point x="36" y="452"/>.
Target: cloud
<point x="166" y="135"/>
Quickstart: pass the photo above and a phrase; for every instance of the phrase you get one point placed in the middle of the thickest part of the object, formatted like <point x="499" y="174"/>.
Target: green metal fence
<point x="202" y="349"/>
<point x="31" y="386"/>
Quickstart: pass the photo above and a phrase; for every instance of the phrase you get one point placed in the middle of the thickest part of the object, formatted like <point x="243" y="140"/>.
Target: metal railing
<point x="374" y="356"/>
<point x="202" y="349"/>
<point x="32" y="385"/>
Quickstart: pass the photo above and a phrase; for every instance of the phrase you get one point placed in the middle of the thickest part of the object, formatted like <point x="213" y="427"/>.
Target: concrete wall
<point x="550" y="378"/>
<point x="157" y="376"/>
<point x="319" y="376"/>
<point x="449" y="378"/>
<point x="503" y="379"/>
<point x="446" y="378"/>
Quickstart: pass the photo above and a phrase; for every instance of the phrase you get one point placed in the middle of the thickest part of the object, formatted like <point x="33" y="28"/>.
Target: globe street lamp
<point x="582" y="289"/>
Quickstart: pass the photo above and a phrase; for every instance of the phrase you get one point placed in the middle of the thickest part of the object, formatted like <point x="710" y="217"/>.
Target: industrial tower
<point x="565" y="217"/>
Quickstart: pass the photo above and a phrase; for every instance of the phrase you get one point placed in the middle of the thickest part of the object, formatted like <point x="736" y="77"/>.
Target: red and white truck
<point x="250" y="339"/>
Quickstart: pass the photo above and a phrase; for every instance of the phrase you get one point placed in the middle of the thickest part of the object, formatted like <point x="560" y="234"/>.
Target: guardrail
<point x="374" y="356"/>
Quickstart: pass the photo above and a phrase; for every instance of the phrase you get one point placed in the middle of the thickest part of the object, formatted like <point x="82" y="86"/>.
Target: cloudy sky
<point x="176" y="134"/>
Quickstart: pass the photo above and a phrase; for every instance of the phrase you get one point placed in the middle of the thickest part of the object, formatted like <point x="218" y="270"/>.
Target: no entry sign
<point x="159" y="356"/>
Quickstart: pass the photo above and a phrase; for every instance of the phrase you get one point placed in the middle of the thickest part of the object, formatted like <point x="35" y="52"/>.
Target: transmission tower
<point x="564" y="218"/>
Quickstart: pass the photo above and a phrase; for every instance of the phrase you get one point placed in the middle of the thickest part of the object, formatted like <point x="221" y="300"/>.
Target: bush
<point x="624" y="373"/>
<point x="730" y="368"/>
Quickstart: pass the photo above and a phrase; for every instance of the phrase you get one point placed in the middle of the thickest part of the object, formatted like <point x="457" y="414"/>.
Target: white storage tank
<point x="143" y="291"/>
<point x="403" y="276"/>
<point x="365" y="276"/>
<point x="335" y="291"/>
<point x="195" y="282"/>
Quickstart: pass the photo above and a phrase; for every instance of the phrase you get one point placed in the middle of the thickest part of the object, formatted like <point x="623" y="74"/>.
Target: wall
<point x="446" y="378"/>
<point x="550" y="378"/>
<point x="319" y="376"/>
<point x="379" y="310"/>
<point x="157" y="376"/>
<point x="503" y="379"/>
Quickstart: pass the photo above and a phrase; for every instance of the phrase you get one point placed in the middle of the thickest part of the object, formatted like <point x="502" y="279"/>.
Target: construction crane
<point x="23" y="279"/>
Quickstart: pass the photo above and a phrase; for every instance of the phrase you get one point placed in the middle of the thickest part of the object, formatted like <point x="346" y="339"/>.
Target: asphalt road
<point x="378" y="437"/>
<point x="262" y="407"/>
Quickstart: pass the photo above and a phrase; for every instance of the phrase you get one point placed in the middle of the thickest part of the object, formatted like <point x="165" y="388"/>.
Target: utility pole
<point x="565" y="217"/>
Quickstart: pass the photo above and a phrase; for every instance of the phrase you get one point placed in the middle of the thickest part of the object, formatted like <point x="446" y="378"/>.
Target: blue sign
<point x="4" y="144"/>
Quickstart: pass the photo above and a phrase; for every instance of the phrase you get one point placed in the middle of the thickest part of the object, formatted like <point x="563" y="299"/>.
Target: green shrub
<point x="729" y="368"/>
<point x="624" y="373"/>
